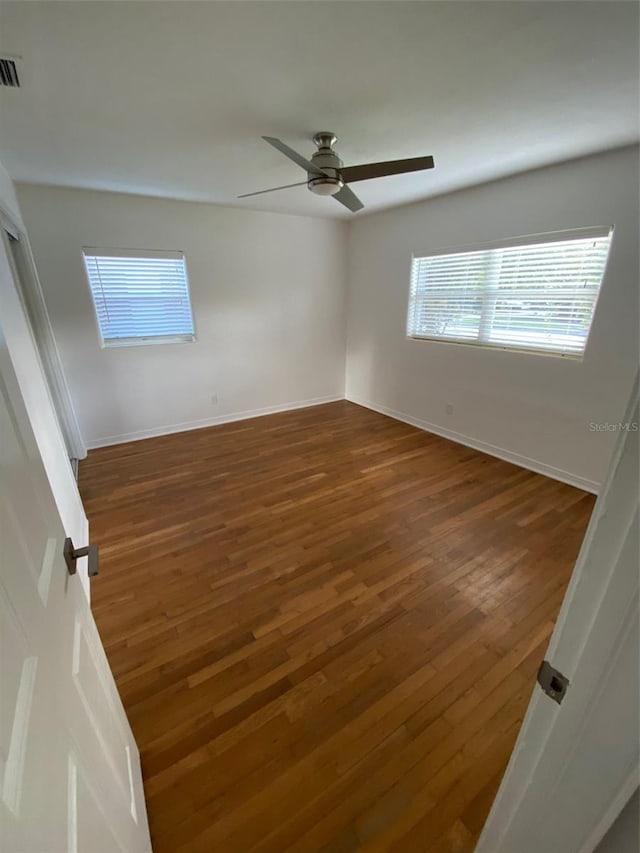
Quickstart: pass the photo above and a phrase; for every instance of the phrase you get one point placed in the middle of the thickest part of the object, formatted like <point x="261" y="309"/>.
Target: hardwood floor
<point x="325" y="626"/>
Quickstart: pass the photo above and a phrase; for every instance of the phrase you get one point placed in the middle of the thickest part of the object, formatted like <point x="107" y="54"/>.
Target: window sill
<point x="571" y="356"/>
<point x="151" y="341"/>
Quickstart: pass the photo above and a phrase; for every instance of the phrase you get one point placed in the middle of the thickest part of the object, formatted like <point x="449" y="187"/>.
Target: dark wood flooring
<point x="325" y="626"/>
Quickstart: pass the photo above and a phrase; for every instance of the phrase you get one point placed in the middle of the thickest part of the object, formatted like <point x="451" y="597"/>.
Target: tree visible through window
<point x="140" y="297"/>
<point x="537" y="295"/>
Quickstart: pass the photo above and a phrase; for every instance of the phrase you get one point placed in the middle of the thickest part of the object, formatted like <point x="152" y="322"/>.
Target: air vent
<point x="9" y="73"/>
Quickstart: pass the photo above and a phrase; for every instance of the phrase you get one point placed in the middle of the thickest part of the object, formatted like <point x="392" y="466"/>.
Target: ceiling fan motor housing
<point x="327" y="160"/>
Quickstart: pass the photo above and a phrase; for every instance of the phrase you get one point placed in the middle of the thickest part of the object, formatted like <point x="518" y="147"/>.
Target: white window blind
<point x="140" y="297"/>
<point x="538" y="295"/>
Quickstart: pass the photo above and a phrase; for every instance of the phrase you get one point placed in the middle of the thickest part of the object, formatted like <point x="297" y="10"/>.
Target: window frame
<point x="505" y="243"/>
<point x="142" y="340"/>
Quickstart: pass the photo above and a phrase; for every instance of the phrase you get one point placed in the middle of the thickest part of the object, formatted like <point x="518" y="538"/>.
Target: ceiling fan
<point x="327" y="176"/>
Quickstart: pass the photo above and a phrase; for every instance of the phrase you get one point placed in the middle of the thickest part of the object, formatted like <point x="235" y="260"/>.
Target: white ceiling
<point x="171" y="98"/>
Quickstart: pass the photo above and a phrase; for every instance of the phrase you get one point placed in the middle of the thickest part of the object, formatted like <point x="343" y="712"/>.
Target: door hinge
<point x="552" y="681"/>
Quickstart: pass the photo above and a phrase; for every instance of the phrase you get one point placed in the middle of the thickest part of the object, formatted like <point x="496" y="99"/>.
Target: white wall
<point x="268" y="299"/>
<point x="529" y="408"/>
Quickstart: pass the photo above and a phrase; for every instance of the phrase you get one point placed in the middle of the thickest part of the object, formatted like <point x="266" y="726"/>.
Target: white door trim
<point x="29" y="282"/>
<point x="37" y="397"/>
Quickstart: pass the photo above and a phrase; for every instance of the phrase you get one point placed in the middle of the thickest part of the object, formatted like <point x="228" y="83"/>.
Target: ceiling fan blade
<point x="273" y="189"/>
<point x="349" y="199"/>
<point x="390" y="167"/>
<point x="307" y="165"/>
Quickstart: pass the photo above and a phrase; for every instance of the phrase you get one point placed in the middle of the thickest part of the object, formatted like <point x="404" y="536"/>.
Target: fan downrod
<point x="325" y="139"/>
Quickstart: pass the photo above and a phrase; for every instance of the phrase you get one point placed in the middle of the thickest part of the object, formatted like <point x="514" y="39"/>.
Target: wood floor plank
<point x="325" y="626"/>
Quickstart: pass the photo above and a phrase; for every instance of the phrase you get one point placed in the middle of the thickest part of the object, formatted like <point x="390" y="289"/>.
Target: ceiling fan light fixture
<point x="327" y="175"/>
<point x="325" y="186"/>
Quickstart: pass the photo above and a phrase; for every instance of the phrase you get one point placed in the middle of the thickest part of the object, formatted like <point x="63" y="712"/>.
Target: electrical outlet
<point x="449" y="408"/>
<point x="214" y="399"/>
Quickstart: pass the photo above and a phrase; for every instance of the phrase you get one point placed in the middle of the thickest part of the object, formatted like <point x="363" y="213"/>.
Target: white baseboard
<point x="492" y="450"/>
<point x="452" y="435"/>
<point x="139" y="435"/>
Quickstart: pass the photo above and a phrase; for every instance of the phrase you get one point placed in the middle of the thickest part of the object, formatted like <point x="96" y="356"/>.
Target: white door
<point x="576" y="764"/>
<point x="69" y="767"/>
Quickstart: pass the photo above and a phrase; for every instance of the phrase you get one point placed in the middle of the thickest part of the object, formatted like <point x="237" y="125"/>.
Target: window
<point x="535" y="293"/>
<point x="140" y="297"/>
